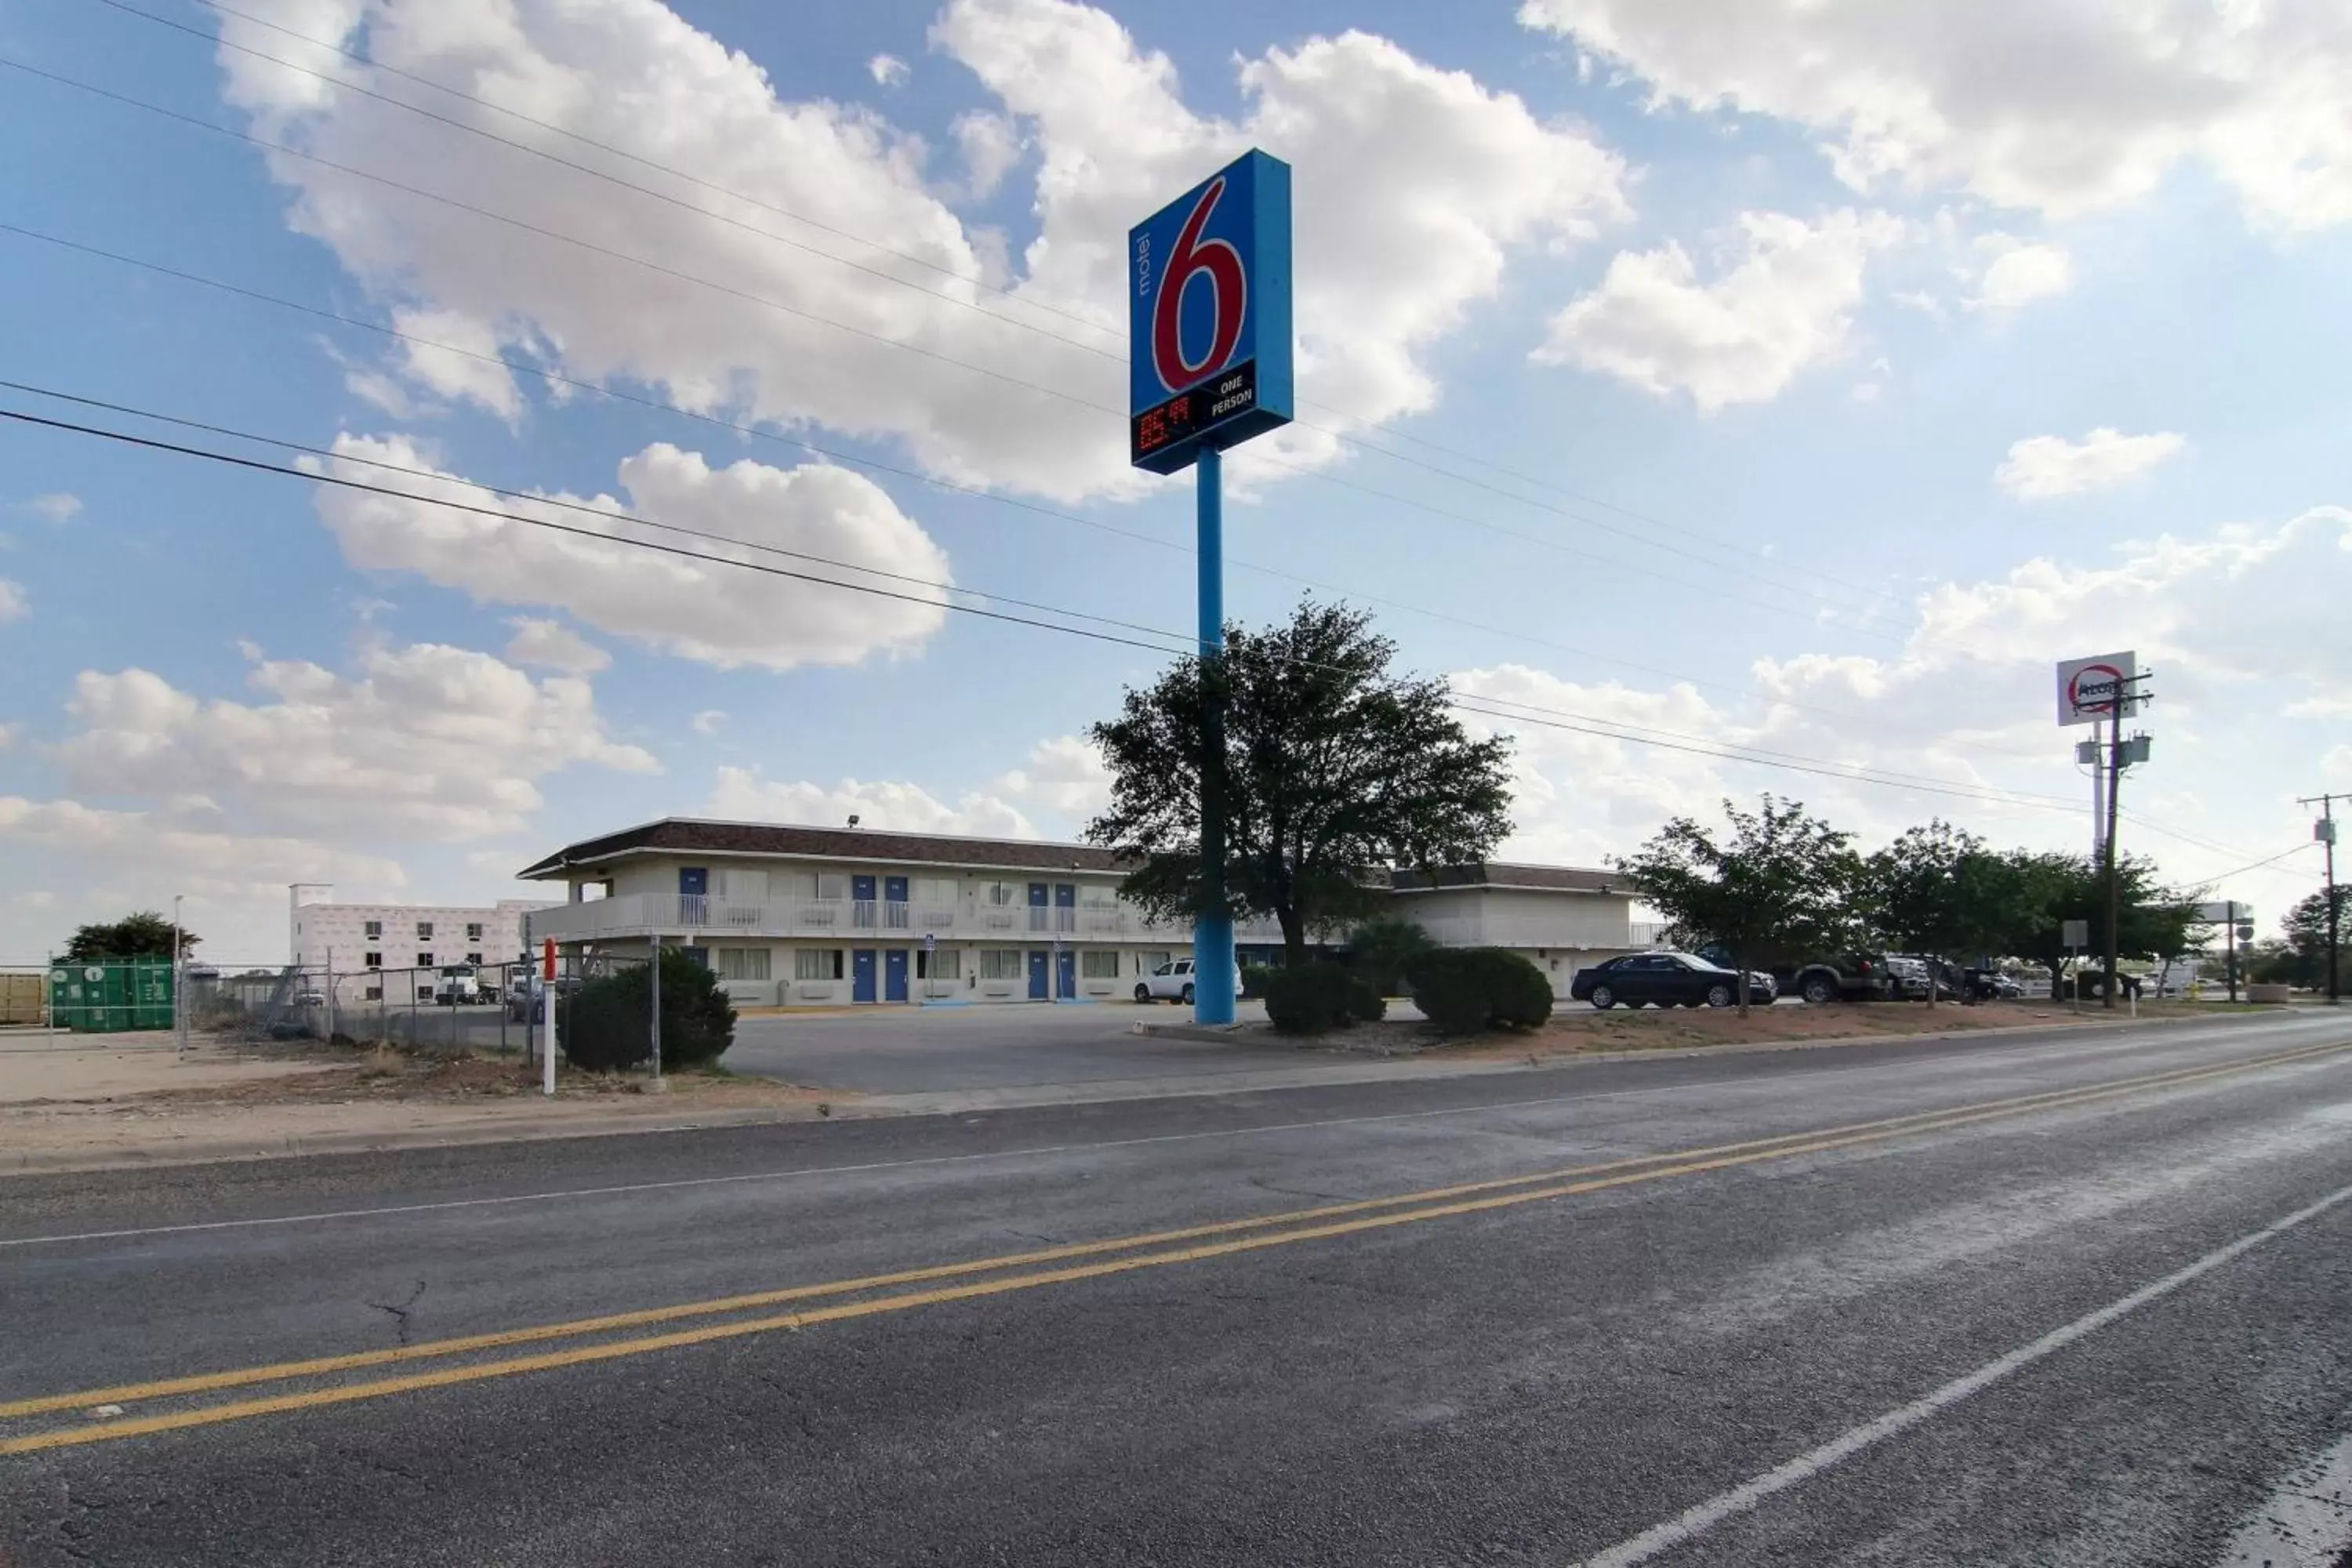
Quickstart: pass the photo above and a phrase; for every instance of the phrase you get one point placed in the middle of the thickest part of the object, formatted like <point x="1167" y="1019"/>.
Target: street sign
<point x="930" y="942"/>
<point x="2090" y="689"/>
<point x="1208" y="316"/>
<point x="2074" y="933"/>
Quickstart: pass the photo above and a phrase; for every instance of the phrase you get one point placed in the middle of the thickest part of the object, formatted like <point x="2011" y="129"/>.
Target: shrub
<point x="1461" y="990"/>
<point x="1255" y="977"/>
<point x="1384" y="950"/>
<point x="1312" y="997"/>
<point x="607" y="1023"/>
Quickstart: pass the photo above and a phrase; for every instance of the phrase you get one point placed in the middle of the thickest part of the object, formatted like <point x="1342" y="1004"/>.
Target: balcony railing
<point x="689" y="914"/>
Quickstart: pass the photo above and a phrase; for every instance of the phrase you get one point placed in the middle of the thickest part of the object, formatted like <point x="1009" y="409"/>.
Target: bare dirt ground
<point x="117" y="1106"/>
<point x="1581" y="1031"/>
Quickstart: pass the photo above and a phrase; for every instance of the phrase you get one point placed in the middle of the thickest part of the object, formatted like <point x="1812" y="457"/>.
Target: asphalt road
<point x="2082" y="1298"/>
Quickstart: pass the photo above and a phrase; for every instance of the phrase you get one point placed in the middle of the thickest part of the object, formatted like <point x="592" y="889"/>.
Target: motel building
<point x="793" y="916"/>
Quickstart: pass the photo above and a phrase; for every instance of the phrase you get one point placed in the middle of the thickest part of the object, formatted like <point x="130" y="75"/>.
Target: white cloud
<point x="8" y="735"/>
<point x="1414" y="185"/>
<point x="59" y="506"/>
<point x="743" y="795"/>
<point x="1783" y="302"/>
<point x="427" y="742"/>
<point x="14" y="602"/>
<point x="163" y="856"/>
<point x="707" y="721"/>
<point x="2019" y="273"/>
<point x="2041" y="467"/>
<point x="551" y="645"/>
<point x="2063" y="106"/>
<point x="990" y="146"/>
<point x="887" y="70"/>
<point x="721" y="615"/>
<point x="1065" y="775"/>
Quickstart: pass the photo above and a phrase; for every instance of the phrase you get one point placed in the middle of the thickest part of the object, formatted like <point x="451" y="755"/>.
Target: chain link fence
<point x="491" y="1009"/>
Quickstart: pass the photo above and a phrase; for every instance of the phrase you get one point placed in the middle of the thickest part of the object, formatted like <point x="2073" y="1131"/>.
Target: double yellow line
<point x="1115" y="1256"/>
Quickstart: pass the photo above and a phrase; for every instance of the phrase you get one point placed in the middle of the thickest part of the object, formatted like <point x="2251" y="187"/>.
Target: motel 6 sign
<point x="1208" y="316"/>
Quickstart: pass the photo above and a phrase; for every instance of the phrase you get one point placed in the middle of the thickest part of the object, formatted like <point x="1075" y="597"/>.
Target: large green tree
<point x="146" y="934"/>
<point x="1334" y="768"/>
<point x="2304" y="928"/>
<point x="2052" y="889"/>
<point x="1780" y="884"/>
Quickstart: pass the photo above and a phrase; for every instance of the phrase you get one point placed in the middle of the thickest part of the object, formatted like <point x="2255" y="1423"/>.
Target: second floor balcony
<point x="635" y="915"/>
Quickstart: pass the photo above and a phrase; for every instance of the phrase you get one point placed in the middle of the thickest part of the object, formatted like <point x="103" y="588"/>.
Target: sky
<point x="1799" y="380"/>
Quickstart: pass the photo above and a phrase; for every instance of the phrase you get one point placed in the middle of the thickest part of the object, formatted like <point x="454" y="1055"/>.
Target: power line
<point x="1074" y="399"/>
<point x="256" y="465"/>
<point x="1562" y="721"/>
<point x="606" y="513"/>
<point x="1093" y="322"/>
<point x="558" y="378"/>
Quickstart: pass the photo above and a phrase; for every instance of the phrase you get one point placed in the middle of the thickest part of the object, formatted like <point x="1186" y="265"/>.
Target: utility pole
<point x="2325" y="831"/>
<point x="2119" y="751"/>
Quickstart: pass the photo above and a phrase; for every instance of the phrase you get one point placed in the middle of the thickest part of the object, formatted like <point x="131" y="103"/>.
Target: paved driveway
<point x="915" y="1051"/>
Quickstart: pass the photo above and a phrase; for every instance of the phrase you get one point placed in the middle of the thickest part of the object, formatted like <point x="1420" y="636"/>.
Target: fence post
<point x="412" y="1009"/>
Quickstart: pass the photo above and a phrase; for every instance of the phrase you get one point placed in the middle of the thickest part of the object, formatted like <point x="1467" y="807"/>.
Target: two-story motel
<point x="814" y="916"/>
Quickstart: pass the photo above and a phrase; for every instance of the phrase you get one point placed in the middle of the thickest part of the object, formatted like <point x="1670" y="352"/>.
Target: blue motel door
<point x="861" y="974"/>
<point x="1037" y="977"/>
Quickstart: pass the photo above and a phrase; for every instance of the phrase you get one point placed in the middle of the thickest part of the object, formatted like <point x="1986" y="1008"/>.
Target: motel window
<point x="474" y="931"/>
<point x="1145" y="963"/>
<point x="1097" y="897"/>
<point x="935" y="892"/>
<point x="1002" y="963"/>
<point x="424" y="931"/>
<point x="1003" y="893"/>
<point x="374" y="960"/>
<point x="423" y="961"/>
<point x="373" y="994"/>
<point x="475" y="959"/>
<point x="816" y="964"/>
<point x="742" y="963"/>
<point x="945" y="964"/>
<point x="1102" y="965"/>
<point x="376" y="931"/>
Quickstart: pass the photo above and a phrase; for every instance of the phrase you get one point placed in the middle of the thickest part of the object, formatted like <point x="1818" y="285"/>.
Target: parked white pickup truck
<point x="1171" y="981"/>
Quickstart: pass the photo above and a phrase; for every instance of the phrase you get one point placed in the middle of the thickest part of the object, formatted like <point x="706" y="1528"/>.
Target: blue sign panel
<point x="1208" y="316"/>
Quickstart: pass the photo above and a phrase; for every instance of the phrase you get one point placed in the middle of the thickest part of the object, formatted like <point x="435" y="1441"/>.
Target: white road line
<point x="1699" y="1518"/>
<point x="444" y="1204"/>
<point x="2305" y="1522"/>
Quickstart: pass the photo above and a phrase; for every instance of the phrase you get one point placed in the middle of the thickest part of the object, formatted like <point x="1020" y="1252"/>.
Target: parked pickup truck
<point x="1853" y="977"/>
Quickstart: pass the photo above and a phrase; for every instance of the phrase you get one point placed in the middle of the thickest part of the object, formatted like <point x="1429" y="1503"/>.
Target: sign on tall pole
<point x="1209" y="356"/>
<point x="2106" y="688"/>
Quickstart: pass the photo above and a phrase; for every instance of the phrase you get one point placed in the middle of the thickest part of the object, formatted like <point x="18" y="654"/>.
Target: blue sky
<point x="1799" y="389"/>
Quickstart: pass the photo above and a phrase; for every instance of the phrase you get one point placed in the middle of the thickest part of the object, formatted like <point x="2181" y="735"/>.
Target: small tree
<point x="1780" y="884"/>
<point x="608" y="1024"/>
<point x="146" y="934"/>
<point x="1333" y="768"/>
<point x="1383" y="950"/>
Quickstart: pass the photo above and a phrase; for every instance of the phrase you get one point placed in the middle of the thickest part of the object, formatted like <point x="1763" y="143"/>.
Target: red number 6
<point x="1228" y="287"/>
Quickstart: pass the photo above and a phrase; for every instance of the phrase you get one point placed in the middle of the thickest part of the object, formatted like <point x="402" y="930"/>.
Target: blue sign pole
<point x="1215" y="979"/>
<point x="1209" y="366"/>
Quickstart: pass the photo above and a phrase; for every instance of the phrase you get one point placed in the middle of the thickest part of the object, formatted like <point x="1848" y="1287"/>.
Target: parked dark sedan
<point x="1665" y="980"/>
